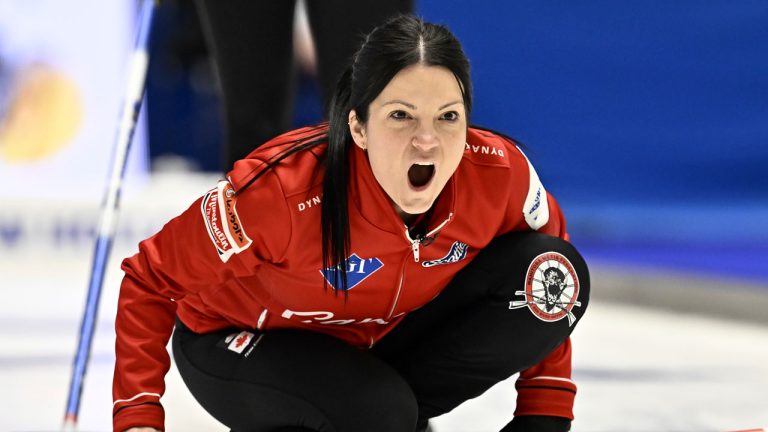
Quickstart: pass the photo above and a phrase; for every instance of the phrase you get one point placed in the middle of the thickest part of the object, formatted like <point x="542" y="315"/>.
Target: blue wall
<point x="656" y="102"/>
<point x="647" y="120"/>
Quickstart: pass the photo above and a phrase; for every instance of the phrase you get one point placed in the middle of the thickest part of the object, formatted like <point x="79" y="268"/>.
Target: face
<point x="415" y="136"/>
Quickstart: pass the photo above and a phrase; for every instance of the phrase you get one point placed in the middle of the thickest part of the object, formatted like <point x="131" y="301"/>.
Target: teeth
<point x="424" y="163"/>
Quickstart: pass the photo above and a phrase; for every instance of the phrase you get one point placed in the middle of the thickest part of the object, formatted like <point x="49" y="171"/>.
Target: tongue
<point x="419" y="175"/>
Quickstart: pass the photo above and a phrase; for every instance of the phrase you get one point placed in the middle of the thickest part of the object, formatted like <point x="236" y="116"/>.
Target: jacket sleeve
<point x="219" y="237"/>
<point x="545" y="388"/>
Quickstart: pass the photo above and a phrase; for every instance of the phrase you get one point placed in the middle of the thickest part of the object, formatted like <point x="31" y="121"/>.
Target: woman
<point x="440" y="267"/>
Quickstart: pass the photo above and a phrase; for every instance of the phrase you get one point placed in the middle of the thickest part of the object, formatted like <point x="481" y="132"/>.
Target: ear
<point x="357" y="129"/>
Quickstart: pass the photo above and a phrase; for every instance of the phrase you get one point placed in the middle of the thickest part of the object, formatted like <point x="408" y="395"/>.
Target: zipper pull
<point x="415" y="248"/>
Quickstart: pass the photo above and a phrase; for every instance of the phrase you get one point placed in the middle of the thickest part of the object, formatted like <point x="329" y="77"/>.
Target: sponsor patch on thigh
<point x="551" y="288"/>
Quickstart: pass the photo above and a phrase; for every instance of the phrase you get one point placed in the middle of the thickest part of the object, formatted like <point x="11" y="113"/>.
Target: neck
<point x="407" y="218"/>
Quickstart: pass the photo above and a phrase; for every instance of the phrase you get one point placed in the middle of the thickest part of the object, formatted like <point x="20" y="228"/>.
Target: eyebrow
<point x="412" y="106"/>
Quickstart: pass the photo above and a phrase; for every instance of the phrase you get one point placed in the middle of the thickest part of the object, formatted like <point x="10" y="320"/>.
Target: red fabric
<point x="149" y="415"/>
<point x="271" y="260"/>
<point x="546" y="388"/>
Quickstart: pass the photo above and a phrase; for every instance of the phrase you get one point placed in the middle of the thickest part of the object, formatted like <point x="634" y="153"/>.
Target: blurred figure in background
<point x="252" y="43"/>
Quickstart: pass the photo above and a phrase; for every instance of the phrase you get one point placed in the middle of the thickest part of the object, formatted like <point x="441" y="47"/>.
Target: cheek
<point x="456" y="148"/>
<point x="385" y="148"/>
<point x="382" y="163"/>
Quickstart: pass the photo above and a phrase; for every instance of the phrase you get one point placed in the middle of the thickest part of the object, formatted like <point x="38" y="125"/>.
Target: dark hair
<point x="402" y="41"/>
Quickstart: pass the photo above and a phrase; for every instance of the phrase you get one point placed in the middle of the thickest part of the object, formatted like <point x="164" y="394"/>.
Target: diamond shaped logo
<point x="358" y="269"/>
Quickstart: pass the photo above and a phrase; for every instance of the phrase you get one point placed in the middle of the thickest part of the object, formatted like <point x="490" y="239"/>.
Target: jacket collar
<point x="374" y="204"/>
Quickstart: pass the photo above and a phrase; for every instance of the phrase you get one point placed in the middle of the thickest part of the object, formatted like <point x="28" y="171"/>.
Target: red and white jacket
<point x="254" y="261"/>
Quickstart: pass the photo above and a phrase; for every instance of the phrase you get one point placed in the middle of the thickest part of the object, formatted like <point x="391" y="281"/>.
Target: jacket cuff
<point x="541" y="399"/>
<point x="144" y="415"/>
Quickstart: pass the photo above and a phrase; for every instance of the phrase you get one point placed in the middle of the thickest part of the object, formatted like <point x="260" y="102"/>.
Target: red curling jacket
<point x="253" y="261"/>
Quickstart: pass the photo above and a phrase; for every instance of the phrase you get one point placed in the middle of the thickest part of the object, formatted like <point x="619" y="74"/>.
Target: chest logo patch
<point x="358" y="269"/>
<point x="551" y="288"/>
<point x="457" y="253"/>
<point x="222" y="222"/>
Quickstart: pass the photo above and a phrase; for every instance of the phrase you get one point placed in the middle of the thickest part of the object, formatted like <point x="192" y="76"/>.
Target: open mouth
<point x="419" y="175"/>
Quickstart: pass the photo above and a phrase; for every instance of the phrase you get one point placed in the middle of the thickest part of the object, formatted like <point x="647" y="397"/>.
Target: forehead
<point x="421" y="83"/>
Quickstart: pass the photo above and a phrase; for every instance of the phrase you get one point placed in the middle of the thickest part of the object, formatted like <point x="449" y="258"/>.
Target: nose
<point x="425" y="139"/>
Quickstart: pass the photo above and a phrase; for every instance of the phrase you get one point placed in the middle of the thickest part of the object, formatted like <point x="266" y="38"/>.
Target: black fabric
<point x="451" y="350"/>
<point x="293" y="378"/>
<point x="339" y="28"/>
<point x="293" y="429"/>
<point x="468" y="339"/>
<point x="538" y="424"/>
<point x="252" y="46"/>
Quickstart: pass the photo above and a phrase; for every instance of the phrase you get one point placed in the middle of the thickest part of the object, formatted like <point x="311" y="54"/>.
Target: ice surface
<point x="637" y="369"/>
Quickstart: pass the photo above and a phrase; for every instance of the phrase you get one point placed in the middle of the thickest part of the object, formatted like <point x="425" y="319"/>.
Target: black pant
<point x="252" y="45"/>
<point x="472" y="336"/>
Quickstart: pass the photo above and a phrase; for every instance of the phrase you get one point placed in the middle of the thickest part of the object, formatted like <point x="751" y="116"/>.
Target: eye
<point x="399" y="115"/>
<point x="450" y="116"/>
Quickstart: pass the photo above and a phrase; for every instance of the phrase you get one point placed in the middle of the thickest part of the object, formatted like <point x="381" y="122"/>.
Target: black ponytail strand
<point x="335" y="208"/>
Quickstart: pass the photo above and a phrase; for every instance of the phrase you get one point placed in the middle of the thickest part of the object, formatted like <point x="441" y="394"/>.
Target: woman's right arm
<point x="198" y="250"/>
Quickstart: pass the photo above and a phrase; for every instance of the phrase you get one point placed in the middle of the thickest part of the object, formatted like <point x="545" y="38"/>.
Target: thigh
<point x="501" y="314"/>
<point x="283" y="378"/>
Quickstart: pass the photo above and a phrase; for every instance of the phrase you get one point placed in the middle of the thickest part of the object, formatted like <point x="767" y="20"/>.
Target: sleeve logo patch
<point x="535" y="208"/>
<point x="222" y="222"/>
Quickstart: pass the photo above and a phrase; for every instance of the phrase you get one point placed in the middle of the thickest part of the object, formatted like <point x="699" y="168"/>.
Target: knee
<point x="391" y="406"/>
<point x="544" y="289"/>
<point x="549" y="267"/>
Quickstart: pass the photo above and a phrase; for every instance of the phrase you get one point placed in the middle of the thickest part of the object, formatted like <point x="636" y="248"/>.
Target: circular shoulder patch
<point x="551" y="288"/>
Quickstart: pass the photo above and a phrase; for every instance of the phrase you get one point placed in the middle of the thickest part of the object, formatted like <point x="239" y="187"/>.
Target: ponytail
<point x="335" y="208"/>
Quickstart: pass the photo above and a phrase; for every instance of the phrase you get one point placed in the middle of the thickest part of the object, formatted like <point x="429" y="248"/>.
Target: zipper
<point x="415" y="248"/>
<point x="415" y="243"/>
<point x="399" y="288"/>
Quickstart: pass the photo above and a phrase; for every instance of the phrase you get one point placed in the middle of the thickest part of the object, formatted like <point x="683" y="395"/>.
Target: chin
<point x="417" y="206"/>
